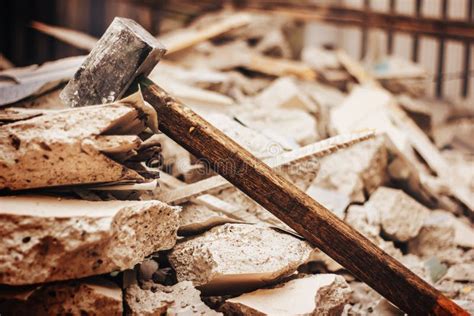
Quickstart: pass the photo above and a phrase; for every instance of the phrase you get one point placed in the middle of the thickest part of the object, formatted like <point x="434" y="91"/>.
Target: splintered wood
<point x="101" y="213"/>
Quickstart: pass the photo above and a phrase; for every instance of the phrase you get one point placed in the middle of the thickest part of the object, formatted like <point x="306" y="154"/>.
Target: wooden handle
<point x="299" y="211"/>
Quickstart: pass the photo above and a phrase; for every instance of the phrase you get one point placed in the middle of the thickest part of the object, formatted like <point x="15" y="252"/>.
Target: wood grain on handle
<point x="299" y="211"/>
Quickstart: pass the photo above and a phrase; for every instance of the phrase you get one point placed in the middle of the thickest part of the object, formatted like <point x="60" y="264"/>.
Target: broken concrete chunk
<point x="436" y="235"/>
<point x="193" y="213"/>
<point x="196" y="219"/>
<point x="234" y="255"/>
<point x="435" y="269"/>
<point x="367" y="107"/>
<point x="96" y="296"/>
<point x="463" y="233"/>
<point x="365" y="220"/>
<point x="395" y="207"/>
<point x="249" y="211"/>
<point x="456" y="290"/>
<point x="59" y="239"/>
<point x="67" y="147"/>
<point x="363" y="297"/>
<point x="463" y="272"/>
<point x="323" y="294"/>
<point x="333" y="200"/>
<point x="179" y="299"/>
<point x="284" y="93"/>
<point x="355" y="170"/>
<point x="257" y="143"/>
<point x="292" y="125"/>
<point x="318" y="256"/>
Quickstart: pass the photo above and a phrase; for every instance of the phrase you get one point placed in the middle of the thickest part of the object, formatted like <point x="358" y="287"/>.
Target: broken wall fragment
<point x="60" y="239"/>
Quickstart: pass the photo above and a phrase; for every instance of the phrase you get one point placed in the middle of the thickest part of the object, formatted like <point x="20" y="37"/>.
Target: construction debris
<point x="61" y="239"/>
<point x="441" y="232"/>
<point x="237" y="255"/>
<point x="19" y="83"/>
<point x="350" y="174"/>
<point x="322" y="294"/>
<point x="179" y="299"/>
<point x="96" y="296"/>
<point x="96" y="145"/>
<point x="394" y="207"/>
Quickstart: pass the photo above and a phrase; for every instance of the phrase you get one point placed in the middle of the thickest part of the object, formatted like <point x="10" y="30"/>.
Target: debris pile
<point x="103" y="214"/>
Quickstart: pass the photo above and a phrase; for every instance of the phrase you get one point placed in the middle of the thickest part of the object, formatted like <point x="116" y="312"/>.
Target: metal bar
<point x="467" y="53"/>
<point x="460" y="30"/>
<point x="364" y="29"/>
<point x="390" y="31"/>
<point x="441" y="53"/>
<point x="416" y="37"/>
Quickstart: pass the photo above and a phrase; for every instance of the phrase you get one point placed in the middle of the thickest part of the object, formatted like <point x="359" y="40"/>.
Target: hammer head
<point x="124" y="52"/>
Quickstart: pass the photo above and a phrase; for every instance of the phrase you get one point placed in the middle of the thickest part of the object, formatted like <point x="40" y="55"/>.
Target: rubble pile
<point x="103" y="214"/>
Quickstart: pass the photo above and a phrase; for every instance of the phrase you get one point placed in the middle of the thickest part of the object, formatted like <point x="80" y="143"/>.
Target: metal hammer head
<point x="124" y="52"/>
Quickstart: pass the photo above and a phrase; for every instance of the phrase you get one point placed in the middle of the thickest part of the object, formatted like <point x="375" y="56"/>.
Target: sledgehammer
<point x="126" y="53"/>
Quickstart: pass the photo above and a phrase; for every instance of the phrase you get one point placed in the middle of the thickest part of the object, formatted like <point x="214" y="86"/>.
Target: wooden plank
<point x="272" y="191"/>
<point x="296" y="209"/>
<point x="75" y="38"/>
<point x="182" y="39"/>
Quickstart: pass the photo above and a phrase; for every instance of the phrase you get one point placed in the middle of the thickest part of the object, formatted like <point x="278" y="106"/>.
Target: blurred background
<point x="435" y="33"/>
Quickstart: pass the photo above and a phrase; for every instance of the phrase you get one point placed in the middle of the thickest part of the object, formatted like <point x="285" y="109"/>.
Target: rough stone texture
<point x="95" y="296"/>
<point x="463" y="272"/>
<point x="192" y="213"/>
<point x="365" y="220"/>
<point x="179" y="299"/>
<point x="395" y="208"/>
<point x="56" y="239"/>
<point x="363" y="300"/>
<point x="146" y="269"/>
<point x="123" y="53"/>
<point x="323" y="294"/>
<point x="385" y="308"/>
<point x="197" y="219"/>
<point x="436" y="235"/>
<point x="355" y="170"/>
<point x="251" y="212"/>
<point x="333" y="200"/>
<point x="293" y="125"/>
<point x="255" y="142"/>
<point x="65" y="147"/>
<point x="237" y="254"/>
